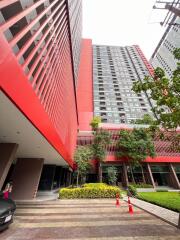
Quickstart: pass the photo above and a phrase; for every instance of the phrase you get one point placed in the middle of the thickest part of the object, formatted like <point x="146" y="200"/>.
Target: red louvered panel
<point x="148" y="65"/>
<point x="36" y="40"/>
<point x="163" y="151"/>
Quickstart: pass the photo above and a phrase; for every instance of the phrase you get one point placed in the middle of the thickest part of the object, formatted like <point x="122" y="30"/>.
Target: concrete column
<point x="174" y="179"/>
<point x="150" y="175"/>
<point x="26" y="177"/>
<point x="7" y="155"/>
<point x="125" y="181"/>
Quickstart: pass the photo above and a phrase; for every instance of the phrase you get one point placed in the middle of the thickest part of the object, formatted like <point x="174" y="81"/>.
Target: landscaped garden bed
<point x="91" y="190"/>
<point x="170" y="200"/>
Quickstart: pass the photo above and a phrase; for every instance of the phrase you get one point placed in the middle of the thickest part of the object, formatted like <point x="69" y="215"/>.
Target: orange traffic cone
<point x="129" y="202"/>
<point x="117" y="200"/>
<point x="131" y="209"/>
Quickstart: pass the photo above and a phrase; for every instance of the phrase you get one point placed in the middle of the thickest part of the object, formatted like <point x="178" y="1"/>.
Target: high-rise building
<point x="40" y="48"/>
<point x="115" y="69"/>
<point x="163" y="55"/>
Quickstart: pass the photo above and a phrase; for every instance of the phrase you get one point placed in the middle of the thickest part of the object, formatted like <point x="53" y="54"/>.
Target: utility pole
<point x="173" y="9"/>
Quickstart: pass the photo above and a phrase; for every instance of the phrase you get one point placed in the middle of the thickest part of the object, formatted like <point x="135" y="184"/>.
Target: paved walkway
<point x="163" y="213"/>
<point x="86" y="220"/>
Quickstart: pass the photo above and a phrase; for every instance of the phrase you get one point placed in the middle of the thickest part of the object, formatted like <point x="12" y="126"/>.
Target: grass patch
<point x="169" y="200"/>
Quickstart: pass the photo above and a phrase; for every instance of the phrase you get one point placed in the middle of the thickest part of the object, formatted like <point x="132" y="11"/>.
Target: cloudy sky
<point x="123" y="22"/>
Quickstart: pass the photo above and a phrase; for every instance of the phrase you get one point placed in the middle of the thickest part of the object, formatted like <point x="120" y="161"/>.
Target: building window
<point x="103" y="108"/>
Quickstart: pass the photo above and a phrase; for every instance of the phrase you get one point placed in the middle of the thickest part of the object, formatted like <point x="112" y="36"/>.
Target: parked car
<point x="7" y="209"/>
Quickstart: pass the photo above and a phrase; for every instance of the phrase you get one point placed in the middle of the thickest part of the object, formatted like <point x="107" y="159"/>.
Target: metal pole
<point x="174" y="10"/>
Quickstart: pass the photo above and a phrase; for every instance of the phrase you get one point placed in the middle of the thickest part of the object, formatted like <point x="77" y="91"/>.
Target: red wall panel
<point x="85" y="86"/>
<point x="158" y="159"/>
<point x="148" y="65"/>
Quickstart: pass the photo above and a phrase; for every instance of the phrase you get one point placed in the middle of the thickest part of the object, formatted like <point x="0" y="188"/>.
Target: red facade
<point x="85" y="86"/>
<point x="147" y="64"/>
<point x="36" y="68"/>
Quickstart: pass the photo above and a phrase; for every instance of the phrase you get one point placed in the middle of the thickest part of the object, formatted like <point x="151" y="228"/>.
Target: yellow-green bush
<point x="95" y="185"/>
<point x="89" y="191"/>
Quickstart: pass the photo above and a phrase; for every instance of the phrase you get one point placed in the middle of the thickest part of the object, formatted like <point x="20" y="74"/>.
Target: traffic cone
<point x="131" y="209"/>
<point x="129" y="202"/>
<point x="117" y="200"/>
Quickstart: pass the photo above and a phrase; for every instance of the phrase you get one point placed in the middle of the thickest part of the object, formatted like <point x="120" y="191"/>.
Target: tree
<point x="101" y="141"/>
<point x="82" y="157"/>
<point x="136" y="145"/>
<point x="112" y="174"/>
<point x="166" y="95"/>
<point x="95" y="123"/>
<point x="146" y="120"/>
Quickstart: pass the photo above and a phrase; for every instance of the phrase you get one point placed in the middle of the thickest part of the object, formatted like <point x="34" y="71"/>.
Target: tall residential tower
<point x="114" y="71"/>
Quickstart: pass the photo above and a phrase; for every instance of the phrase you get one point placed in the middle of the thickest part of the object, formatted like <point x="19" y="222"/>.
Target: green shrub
<point x="142" y="185"/>
<point x="112" y="174"/>
<point x="132" y="190"/>
<point x="95" y="185"/>
<point x="161" y="190"/>
<point x="89" y="191"/>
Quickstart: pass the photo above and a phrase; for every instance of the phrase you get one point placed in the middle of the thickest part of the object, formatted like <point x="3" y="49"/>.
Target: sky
<point x="122" y="23"/>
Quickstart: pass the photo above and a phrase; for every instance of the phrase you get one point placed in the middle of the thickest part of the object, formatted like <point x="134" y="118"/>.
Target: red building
<point x="40" y="43"/>
<point x="46" y="96"/>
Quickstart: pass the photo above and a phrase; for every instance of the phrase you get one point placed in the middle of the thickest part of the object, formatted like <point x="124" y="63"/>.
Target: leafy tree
<point x="166" y="95"/>
<point x="147" y="120"/>
<point x="95" y="123"/>
<point x="112" y="174"/>
<point x="101" y="141"/>
<point x="82" y="157"/>
<point x="136" y="145"/>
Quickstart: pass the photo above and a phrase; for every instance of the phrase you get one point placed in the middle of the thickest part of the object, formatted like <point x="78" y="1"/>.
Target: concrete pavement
<point x="96" y="219"/>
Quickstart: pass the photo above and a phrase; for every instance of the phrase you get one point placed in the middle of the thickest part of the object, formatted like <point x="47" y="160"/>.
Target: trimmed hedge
<point x="89" y="191"/>
<point x="161" y="190"/>
<point x="96" y="185"/>
<point x="142" y="185"/>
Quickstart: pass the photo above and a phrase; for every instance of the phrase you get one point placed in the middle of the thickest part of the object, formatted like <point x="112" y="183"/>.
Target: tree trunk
<point x="100" y="172"/>
<point x="132" y="173"/>
<point x="143" y="177"/>
<point x="77" y="183"/>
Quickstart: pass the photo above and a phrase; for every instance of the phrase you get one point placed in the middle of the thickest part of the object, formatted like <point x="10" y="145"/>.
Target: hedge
<point x="142" y="185"/>
<point x="95" y="185"/>
<point x="89" y="191"/>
